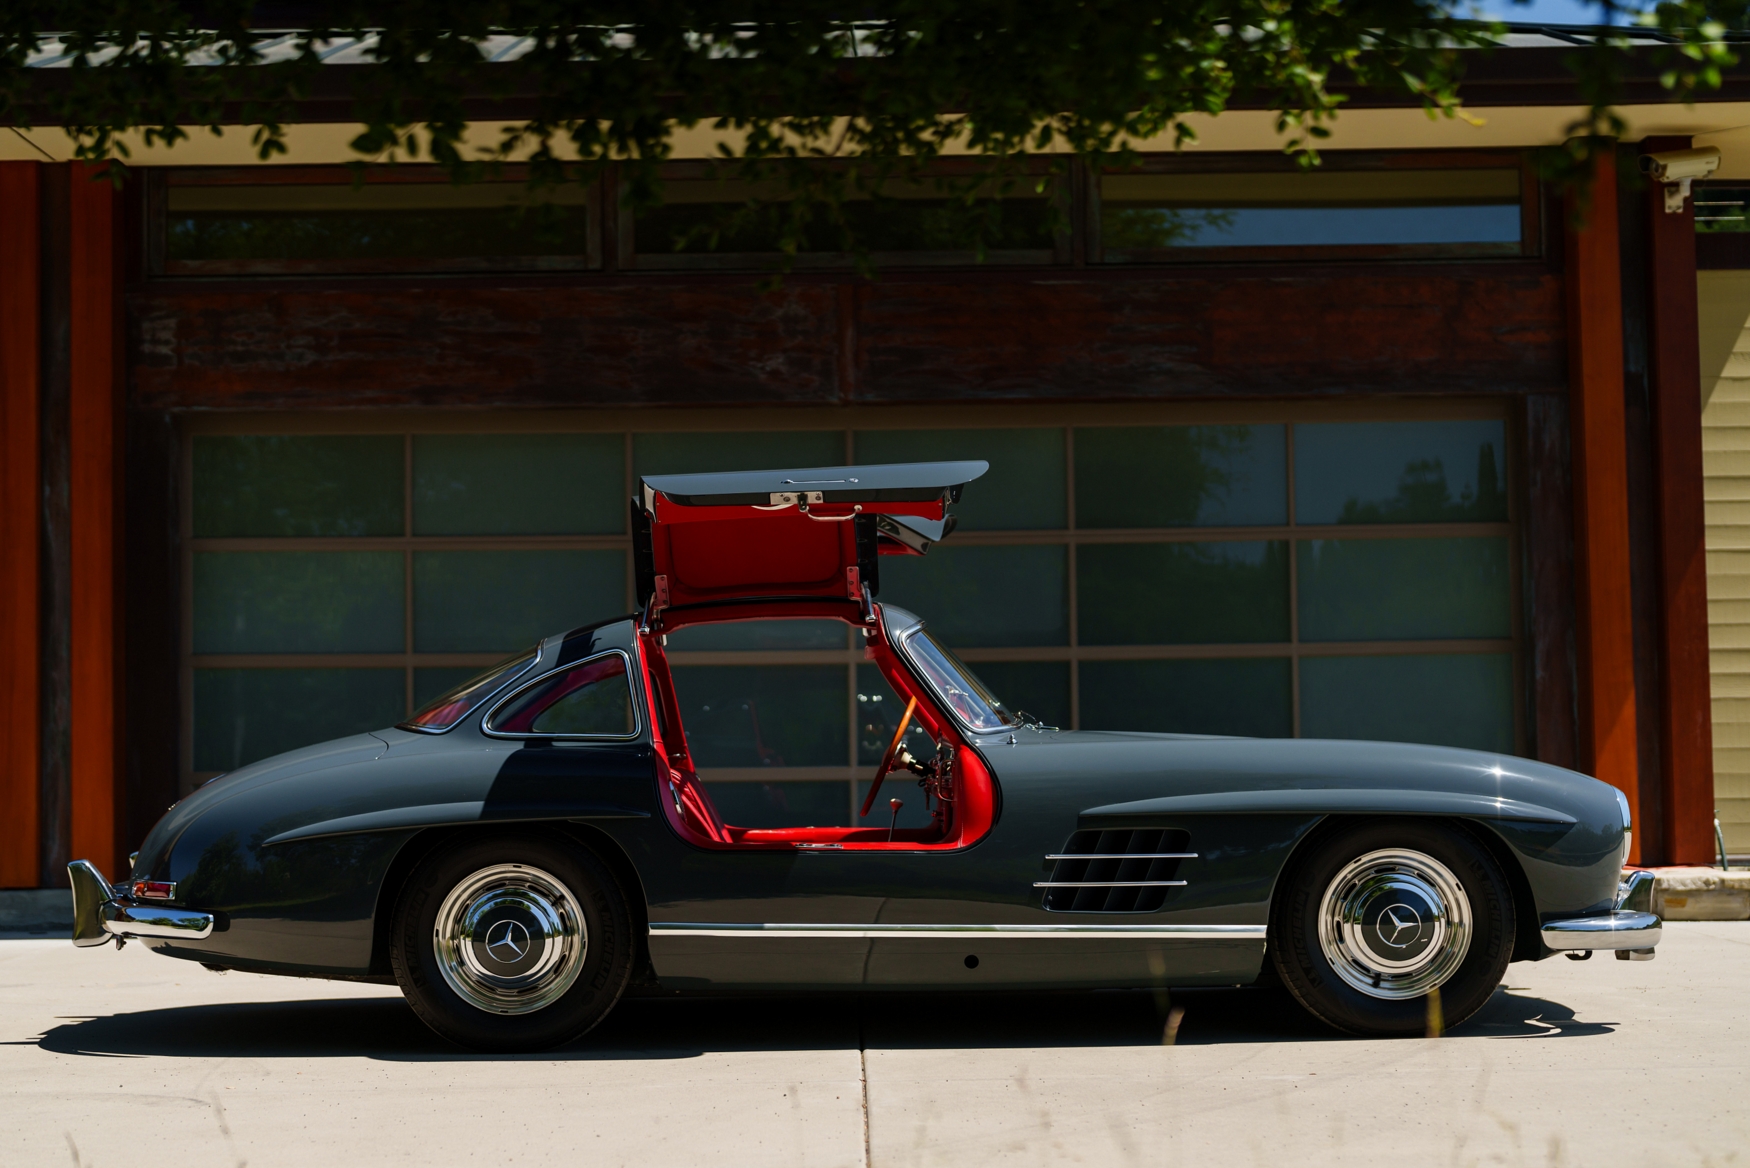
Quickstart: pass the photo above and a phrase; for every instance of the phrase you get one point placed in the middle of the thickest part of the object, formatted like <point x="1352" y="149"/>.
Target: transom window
<point x="1165" y="209"/>
<point x="1257" y="570"/>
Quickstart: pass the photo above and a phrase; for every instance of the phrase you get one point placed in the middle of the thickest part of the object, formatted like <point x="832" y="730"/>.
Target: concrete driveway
<point x="132" y="1060"/>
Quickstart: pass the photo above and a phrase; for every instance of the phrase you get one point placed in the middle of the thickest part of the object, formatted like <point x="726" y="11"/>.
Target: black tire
<point x="1373" y="974"/>
<point x="549" y="978"/>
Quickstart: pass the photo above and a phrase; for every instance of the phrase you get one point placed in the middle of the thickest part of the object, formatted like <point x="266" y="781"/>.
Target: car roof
<point x="882" y="482"/>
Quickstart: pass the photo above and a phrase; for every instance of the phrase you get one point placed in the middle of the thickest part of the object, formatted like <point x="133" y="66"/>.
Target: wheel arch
<point x="599" y="843"/>
<point x="1527" y="939"/>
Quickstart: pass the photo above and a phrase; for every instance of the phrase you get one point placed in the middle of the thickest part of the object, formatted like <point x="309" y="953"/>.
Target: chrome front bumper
<point x="100" y="915"/>
<point x="1630" y="928"/>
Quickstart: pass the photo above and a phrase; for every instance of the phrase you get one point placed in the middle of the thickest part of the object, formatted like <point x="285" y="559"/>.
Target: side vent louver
<point x="1127" y="870"/>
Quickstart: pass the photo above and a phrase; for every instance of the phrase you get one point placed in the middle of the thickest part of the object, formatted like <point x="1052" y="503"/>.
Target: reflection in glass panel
<point x="295" y="485"/>
<point x="763" y="715"/>
<point x="244" y="715"/>
<point x="1182" y="593"/>
<point x="480" y="602"/>
<point x="765" y="634"/>
<point x="1149" y="212"/>
<point x="519" y="484"/>
<point x="808" y="804"/>
<point x="1039" y="688"/>
<point x="710" y="215"/>
<point x="984" y="596"/>
<point x="1400" y="472"/>
<point x="340" y="221"/>
<point x="1023" y="489"/>
<point x="298" y="602"/>
<point x="697" y="453"/>
<point x="590" y="698"/>
<point x="1181" y="476"/>
<point x="467" y="695"/>
<point x="429" y="682"/>
<point x="1458" y="700"/>
<point x="1408" y="589"/>
<point x="1721" y="208"/>
<point x="1249" y="696"/>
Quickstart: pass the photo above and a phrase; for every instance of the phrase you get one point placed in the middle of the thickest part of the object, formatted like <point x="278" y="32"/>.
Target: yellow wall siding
<point x="1725" y="438"/>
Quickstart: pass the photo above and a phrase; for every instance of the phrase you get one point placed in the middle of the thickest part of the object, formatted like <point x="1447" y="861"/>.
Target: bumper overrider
<point x="102" y="912"/>
<point x="1631" y="929"/>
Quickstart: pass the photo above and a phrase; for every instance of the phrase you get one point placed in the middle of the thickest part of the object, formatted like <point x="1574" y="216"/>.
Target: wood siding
<point x="1681" y="624"/>
<point x="95" y="476"/>
<point x="20" y="562"/>
<point x="1725" y="344"/>
<point x="1603" y="593"/>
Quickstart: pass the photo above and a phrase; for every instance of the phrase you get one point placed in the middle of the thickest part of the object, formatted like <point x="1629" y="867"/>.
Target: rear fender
<point x="426" y="842"/>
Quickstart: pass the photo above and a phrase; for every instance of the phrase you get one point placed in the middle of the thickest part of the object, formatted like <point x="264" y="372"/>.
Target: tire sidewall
<point x="1300" y="960"/>
<point x="607" y="962"/>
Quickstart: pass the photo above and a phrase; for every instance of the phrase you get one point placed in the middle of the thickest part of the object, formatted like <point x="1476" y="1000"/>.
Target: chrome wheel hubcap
<point x="510" y="939"/>
<point x="1395" y="923"/>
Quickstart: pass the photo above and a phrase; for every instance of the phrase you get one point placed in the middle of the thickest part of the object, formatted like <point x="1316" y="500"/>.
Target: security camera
<point x="1677" y="169"/>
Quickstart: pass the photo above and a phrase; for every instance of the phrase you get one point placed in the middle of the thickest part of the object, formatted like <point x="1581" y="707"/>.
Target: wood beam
<point x="20" y="563"/>
<point x="95" y="482"/>
<point x="1604" y="626"/>
<point x="1685" y="715"/>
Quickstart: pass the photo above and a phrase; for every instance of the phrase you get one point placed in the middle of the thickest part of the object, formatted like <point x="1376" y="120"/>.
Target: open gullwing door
<point x="810" y="534"/>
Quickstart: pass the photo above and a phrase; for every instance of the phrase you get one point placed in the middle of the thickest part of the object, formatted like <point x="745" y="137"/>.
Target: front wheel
<point x="1379" y="916"/>
<point x="512" y="943"/>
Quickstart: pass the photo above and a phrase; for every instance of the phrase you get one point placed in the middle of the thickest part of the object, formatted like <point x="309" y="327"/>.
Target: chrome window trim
<point x="540" y="651"/>
<point x="901" y="640"/>
<point x="636" y="732"/>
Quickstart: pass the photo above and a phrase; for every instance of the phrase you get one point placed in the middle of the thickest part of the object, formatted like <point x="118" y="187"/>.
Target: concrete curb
<point x="1701" y="894"/>
<point x="36" y="910"/>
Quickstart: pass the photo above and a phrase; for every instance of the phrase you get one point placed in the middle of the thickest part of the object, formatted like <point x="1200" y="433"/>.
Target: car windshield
<point x="446" y="710"/>
<point x="957" y="686"/>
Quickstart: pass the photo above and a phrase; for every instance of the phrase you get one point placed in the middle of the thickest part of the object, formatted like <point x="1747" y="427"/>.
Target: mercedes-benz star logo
<point x="1399" y="924"/>
<point x="507" y="941"/>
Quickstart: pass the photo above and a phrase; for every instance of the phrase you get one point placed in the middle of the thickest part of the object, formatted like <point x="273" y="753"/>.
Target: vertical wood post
<point x="94" y="537"/>
<point x="20" y="563"/>
<point x="1602" y="595"/>
<point x="1685" y="704"/>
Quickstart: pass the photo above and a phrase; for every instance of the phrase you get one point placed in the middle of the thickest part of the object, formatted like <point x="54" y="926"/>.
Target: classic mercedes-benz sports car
<point x="536" y="843"/>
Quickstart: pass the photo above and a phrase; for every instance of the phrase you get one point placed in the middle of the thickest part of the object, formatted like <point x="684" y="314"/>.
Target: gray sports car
<point x="536" y="843"/>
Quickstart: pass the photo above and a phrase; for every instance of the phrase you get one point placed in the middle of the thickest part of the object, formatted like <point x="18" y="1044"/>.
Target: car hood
<point x="1190" y="765"/>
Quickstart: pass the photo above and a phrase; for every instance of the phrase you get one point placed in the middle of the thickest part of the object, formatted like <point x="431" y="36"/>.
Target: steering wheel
<point x="887" y="759"/>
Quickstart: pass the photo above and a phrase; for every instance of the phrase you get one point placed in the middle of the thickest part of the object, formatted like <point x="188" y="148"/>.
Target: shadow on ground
<point x="385" y="1028"/>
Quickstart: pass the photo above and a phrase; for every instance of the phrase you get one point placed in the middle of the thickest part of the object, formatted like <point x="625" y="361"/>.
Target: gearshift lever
<point x="896" y="804"/>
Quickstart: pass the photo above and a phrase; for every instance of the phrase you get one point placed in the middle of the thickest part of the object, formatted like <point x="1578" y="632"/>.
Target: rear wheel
<point x="512" y="943"/>
<point x="1380" y="915"/>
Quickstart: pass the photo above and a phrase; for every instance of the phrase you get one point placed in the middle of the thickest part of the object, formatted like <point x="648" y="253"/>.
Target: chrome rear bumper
<point x="1629" y="928"/>
<point x="99" y="915"/>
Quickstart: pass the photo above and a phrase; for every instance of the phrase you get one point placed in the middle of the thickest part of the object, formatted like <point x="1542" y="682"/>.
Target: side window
<point x="593" y="699"/>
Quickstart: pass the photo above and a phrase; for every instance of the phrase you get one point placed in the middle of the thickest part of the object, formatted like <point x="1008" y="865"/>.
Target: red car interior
<point x="690" y="810"/>
<point x="795" y="545"/>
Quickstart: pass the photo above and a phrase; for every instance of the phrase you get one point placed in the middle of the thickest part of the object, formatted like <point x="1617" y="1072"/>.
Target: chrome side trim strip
<point x="1126" y="856"/>
<point x="1612" y="930"/>
<point x="1109" y="883"/>
<point x="962" y="932"/>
